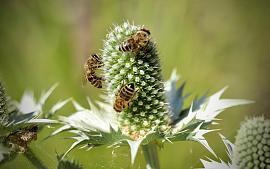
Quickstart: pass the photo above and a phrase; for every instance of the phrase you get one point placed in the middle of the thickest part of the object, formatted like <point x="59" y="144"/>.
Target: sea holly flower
<point x="20" y="121"/>
<point x="251" y="149"/>
<point x="156" y="114"/>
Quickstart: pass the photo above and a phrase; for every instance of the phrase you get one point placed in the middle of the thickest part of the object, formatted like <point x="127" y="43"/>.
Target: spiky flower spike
<point x="252" y="145"/>
<point x="148" y="111"/>
<point x="3" y="100"/>
<point x="3" y="106"/>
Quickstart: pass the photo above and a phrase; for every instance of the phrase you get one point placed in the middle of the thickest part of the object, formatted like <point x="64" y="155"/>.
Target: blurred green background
<point x="212" y="43"/>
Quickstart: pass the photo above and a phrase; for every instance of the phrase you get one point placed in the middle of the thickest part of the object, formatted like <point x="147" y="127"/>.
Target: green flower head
<point x="141" y="69"/>
<point x="252" y="145"/>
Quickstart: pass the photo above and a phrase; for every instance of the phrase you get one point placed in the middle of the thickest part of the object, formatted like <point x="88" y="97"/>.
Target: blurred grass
<point x="211" y="43"/>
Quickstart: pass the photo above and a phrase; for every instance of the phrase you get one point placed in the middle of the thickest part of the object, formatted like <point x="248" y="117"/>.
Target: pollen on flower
<point x="141" y="72"/>
<point x="140" y="103"/>
<point x="114" y="54"/>
<point x="164" y="127"/>
<point x="137" y="79"/>
<point x="143" y="94"/>
<point x="157" y="121"/>
<point x="126" y="121"/>
<point x="147" y="77"/>
<point x="122" y="71"/>
<point x="132" y="60"/>
<point x="115" y="66"/>
<point x="156" y="102"/>
<point x="140" y="62"/>
<point x="151" y="117"/>
<point x="135" y="109"/>
<point x="142" y="114"/>
<point x="149" y="88"/>
<point x="142" y="132"/>
<point x="133" y="127"/>
<point x="147" y="107"/>
<point x="145" y="123"/>
<point x="146" y="64"/>
<point x="136" y="119"/>
<point x="143" y="83"/>
<point x="155" y="92"/>
<point x="130" y="76"/>
<point x="161" y="103"/>
<point x="127" y="65"/>
<point x="135" y="69"/>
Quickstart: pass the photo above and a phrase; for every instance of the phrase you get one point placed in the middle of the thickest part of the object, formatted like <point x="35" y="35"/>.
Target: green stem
<point x="29" y="154"/>
<point x="151" y="156"/>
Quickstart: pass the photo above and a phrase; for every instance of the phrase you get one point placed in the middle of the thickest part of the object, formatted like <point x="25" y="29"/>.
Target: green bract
<point x="149" y="110"/>
<point x="252" y="145"/>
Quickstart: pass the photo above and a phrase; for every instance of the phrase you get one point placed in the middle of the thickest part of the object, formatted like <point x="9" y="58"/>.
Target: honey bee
<point x="92" y="64"/>
<point x="124" y="97"/>
<point x="20" y="139"/>
<point x="136" y="41"/>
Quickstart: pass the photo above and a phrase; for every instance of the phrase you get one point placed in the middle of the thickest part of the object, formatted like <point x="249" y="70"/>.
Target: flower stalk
<point x="151" y="156"/>
<point x="30" y="155"/>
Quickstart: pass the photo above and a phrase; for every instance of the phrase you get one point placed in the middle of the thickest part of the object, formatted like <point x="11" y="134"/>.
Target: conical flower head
<point x="148" y="109"/>
<point x="252" y="145"/>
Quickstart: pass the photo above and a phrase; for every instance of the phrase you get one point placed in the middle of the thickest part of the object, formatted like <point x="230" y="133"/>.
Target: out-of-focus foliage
<point x="211" y="43"/>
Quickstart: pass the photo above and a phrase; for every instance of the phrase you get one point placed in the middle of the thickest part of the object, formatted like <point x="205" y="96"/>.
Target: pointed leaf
<point x="199" y="138"/>
<point x="58" y="106"/>
<point x="28" y="103"/>
<point x="46" y="121"/>
<point x="46" y="95"/>
<point x="75" y="144"/>
<point x="229" y="146"/>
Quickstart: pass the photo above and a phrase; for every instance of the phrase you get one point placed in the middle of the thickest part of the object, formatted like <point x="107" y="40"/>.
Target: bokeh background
<point x="212" y="43"/>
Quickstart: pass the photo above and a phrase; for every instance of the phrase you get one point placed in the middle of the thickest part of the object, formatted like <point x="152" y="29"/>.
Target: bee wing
<point x="83" y="79"/>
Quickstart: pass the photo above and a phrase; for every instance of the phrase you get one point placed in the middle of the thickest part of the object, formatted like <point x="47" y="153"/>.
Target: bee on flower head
<point x="137" y="41"/>
<point x="19" y="140"/>
<point x="93" y="63"/>
<point x="124" y="97"/>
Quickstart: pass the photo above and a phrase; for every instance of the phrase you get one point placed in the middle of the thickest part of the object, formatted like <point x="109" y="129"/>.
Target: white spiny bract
<point x="252" y="145"/>
<point x="142" y="69"/>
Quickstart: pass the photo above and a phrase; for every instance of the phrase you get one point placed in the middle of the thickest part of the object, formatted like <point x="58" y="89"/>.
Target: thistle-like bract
<point x="252" y="145"/>
<point x="148" y="111"/>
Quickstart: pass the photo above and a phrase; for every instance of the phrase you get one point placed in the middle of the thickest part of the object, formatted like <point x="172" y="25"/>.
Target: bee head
<point x="146" y="31"/>
<point x="34" y="128"/>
